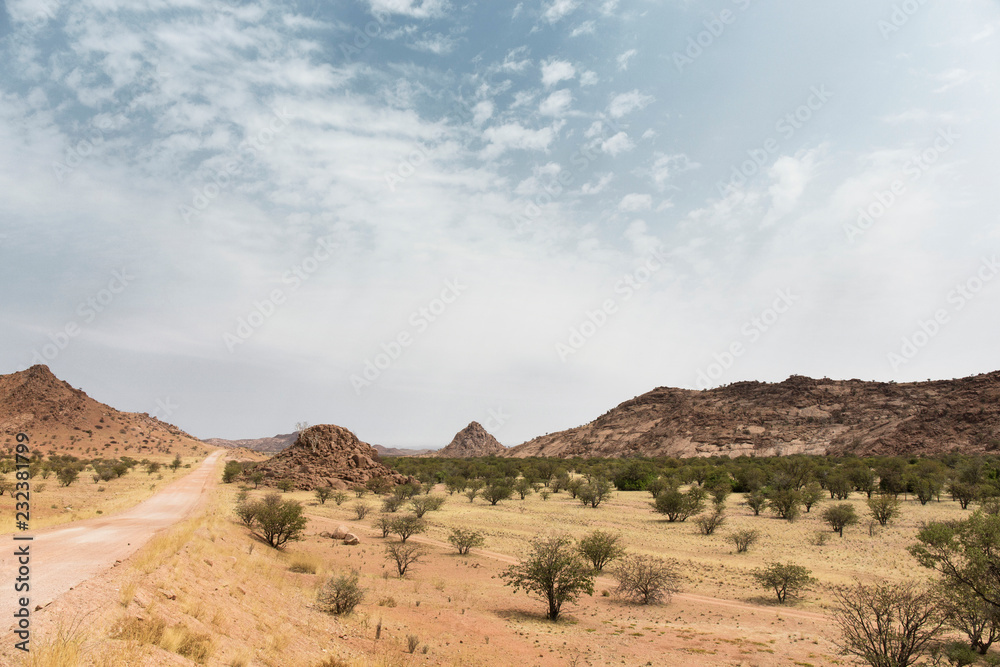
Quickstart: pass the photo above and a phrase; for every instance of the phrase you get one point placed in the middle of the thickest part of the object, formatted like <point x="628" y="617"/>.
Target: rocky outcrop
<point x="273" y="444"/>
<point x="798" y="416"/>
<point x="472" y="441"/>
<point x="326" y="455"/>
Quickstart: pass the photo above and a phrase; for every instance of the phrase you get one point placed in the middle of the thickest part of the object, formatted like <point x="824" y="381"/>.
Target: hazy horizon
<point x="401" y="216"/>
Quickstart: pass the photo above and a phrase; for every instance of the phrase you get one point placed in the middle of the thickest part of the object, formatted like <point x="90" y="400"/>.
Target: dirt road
<point x="65" y="556"/>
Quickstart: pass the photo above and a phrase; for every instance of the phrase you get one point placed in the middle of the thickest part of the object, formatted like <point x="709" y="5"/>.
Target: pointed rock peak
<point x="472" y="441"/>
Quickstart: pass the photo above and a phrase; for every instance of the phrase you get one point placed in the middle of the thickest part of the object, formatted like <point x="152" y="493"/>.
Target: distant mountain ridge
<point x="280" y="443"/>
<point x="798" y="416"/>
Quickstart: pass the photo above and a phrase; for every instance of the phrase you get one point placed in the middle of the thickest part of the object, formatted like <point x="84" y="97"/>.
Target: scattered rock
<point x="351" y="538"/>
<point x="340" y="533"/>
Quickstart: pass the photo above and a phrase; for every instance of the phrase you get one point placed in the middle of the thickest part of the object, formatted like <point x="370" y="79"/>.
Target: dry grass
<point x="207" y="590"/>
<point x="53" y="504"/>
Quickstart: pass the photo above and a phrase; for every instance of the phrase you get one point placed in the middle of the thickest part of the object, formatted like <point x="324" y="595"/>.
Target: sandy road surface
<point x="64" y="556"/>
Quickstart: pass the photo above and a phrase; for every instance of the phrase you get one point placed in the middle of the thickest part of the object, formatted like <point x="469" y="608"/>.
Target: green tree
<point x="811" y="495"/>
<point x="646" y="579"/>
<point x="600" y="548"/>
<point x="785" y="579"/>
<point x="68" y="474"/>
<point x="523" y="487"/>
<point x="679" y="506"/>
<point x="323" y="494"/>
<point x="977" y="619"/>
<point x="279" y="521"/>
<point x="756" y="501"/>
<point x="785" y="503"/>
<point x="496" y="491"/>
<point x="408" y="525"/>
<point x="465" y="540"/>
<point x="230" y="472"/>
<point x="840" y="516"/>
<point x="594" y="492"/>
<point x="883" y="508"/>
<point x="176" y="463"/>
<point x="340" y="594"/>
<point x="966" y="552"/>
<point x="554" y="571"/>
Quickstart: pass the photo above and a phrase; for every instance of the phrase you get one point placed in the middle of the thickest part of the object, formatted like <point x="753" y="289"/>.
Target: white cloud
<point x="589" y="78"/>
<point x="628" y="102"/>
<point x="790" y="175"/>
<point x="635" y="201"/>
<point x="599" y="186"/>
<point x="619" y="143"/>
<point x="437" y="44"/>
<point x="953" y="78"/>
<point x="665" y="167"/>
<point x="556" y="104"/>
<point x="554" y="71"/>
<point x="585" y="28"/>
<point x="515" y="61"/>
<point x="649" y="134"/>
<point x="559" y="9"/>
<point x="414" y="8"/>
<point x="625" y="58"/>
<point x="513" y="136"/>
<point x="482" y="112"/>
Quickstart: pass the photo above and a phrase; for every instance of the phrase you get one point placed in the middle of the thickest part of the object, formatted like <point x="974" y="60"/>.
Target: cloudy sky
<point x="401" y="216"/>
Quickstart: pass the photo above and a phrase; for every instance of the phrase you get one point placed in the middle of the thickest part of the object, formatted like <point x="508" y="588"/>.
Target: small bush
<point x="744" y="538"/>
<point x="707" y="523"/>
<point x="322" y="494"/>
<point x="384" y="523"/>
<point x="785" y="579"/>
<point x="304" y="564"/>
<point x="392" y="503"/>
<point x="403" y="555"/>
<point x="646" y="579"/>
<point x="360" y="510"/>
<point x="424" y="504"/>
<point x="412" y="642"/>
<point x="339" y="497"/>
<point x="340" y="594"/>
<point x="600" y="548"/>
<point x="285" y="485"/>
<point x="465" y="540"/>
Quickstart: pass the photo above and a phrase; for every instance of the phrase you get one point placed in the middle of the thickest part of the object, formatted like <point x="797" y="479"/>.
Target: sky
<point x="401" y="216"/>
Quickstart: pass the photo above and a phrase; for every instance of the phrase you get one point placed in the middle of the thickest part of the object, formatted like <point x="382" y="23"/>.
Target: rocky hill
<point x="61" y="419"/>
<point x="273" y="444"/>
<point x="395" y="451"/>
<point x="799" y="415"/>
<point x="471" y="441"/>
<point x="326" y="455"/>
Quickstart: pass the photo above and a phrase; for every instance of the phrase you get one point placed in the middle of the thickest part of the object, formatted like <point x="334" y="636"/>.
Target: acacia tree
<point x="966" y="552"/>
<point x="553" y="571"/>
<point x="646" y="579"/>
<point x="883" y="508"/>
<point x="887" y="625"/>
<point x="840" y="516"/>
<point x="977" y="619"/>
<point x="279" y="521"/>
<point x="600" y="548"/>
<point x="783" y="578"/>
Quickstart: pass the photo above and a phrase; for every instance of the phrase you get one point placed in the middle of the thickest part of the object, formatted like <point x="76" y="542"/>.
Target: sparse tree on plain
<point x="977" y="619"/>
<point x="679" y="506"/>
<point x="279" y="521"/>
<point x="554" y="571"/>
<point x="523" y="487"/>
<point x="403" y="555"/>
<point x="323" y="494"/>
<point x="883" y="508"/>
<point x="593" y="493"/>
<point x="785" y="579"/>
<point x="887" y="625"/>
<point x="707" y="523"/>
<point x="811" y="495"/>
<point x="465" y="540"/>
<point x="496" y="491"/>
<point x="965" y="552"/>
<point x="407" y="526"/>
<point x="285" y="485"/>
<point x="785" y="503"/>
<point x="744" y="538"/>
<point x="339" y="497"/>
<point x="422" y="505"/>
<point x="361" y="510"/>
<point x="756" y="501"/>
<point x="340" y="594"/>
<point x="646" y="579"/>
<point x="384" y="523"/>
<point x="68" y="474"/>
<point x="600" y="548"/>
<point x="840" y="516"/>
